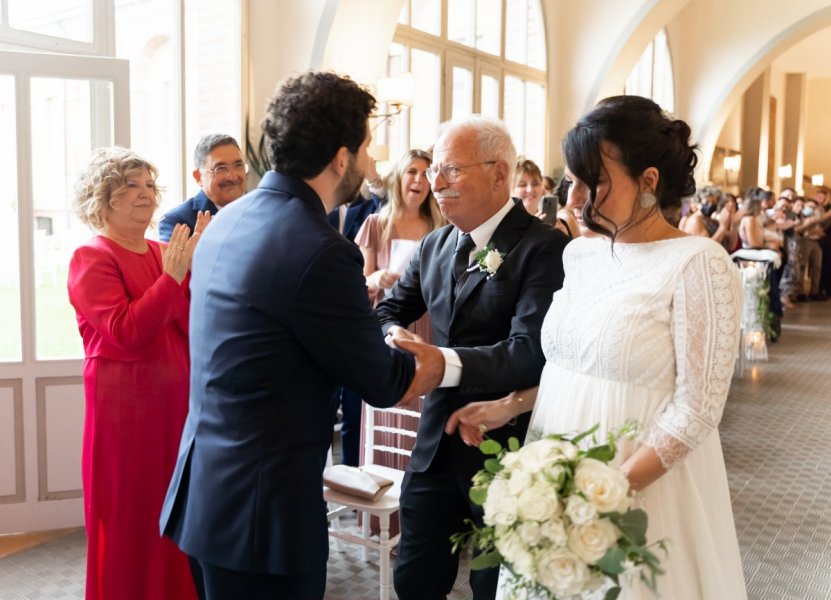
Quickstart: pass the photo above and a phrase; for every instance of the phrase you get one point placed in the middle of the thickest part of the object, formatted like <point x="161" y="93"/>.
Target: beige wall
<point x="818" y="133"/>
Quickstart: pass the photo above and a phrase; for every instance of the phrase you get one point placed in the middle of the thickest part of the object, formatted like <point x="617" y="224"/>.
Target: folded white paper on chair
<point x="355" y="482"/>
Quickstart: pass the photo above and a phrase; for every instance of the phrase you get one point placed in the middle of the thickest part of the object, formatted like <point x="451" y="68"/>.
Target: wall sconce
<point x="785" y="171"/>
<point x="818" y="180"/>
<point x="733" y="163"/>
<point x="397" y="92"/>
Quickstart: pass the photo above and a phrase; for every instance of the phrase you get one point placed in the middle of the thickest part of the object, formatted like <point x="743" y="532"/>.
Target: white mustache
<point x="446" y="194"/>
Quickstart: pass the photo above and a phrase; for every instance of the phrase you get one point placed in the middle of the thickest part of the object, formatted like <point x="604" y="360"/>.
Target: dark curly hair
<point x="645" y="137"/>
<point x="310" y="117"/>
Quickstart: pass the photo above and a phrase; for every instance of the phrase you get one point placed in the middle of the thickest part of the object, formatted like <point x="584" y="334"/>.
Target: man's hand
<point x="429" y="369"/>
<point x="399" y="333"/>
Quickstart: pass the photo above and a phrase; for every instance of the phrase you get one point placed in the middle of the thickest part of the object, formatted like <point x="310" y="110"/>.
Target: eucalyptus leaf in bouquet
<point x="559" y="518"/>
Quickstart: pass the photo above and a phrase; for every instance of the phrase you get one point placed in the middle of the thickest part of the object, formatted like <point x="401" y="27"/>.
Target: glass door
<point x="56" y="110"/>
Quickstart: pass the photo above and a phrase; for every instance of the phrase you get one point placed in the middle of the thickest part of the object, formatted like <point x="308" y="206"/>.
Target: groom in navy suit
<point x="486" y="281"/>
<point x="280" y="317"/>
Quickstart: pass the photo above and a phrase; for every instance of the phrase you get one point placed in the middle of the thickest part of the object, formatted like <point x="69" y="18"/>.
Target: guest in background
<point x="387" y="241"/>
<point x="548" y="185"/>
<point x="528" y="189"/>
<point x="528" y="185"/>
<point x="220" y="172"/>
<point x="813" y="230"/>
<point x="823" y="198"/>
<point x="712" y="219"/>
<point x="564" y="216"/>
<point x="410" y="214"/>
<point x="131" y="298"/>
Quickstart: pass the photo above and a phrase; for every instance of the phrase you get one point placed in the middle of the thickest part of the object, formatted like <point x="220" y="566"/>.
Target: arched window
<point x="469" y="56"/>
<point x="652" y="75"/>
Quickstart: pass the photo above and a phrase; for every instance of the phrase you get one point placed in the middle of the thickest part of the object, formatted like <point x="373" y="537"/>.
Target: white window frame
<point x="102" y="39"/>
<point x="455" y="54"/>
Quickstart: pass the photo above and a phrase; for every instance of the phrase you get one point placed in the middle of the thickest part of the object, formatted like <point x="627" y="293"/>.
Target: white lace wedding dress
<point x="651" y="333"/>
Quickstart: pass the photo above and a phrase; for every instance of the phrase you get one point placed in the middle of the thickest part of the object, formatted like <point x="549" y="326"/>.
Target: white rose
<point x="520" y="480"/>
<point x="562" y="572"/>
<point x="514" y="550"/>
<point x="580" y="511"/>
<point x="554" y="471"/>
<point x="529" y="533"/>
<point x="544" y="453"/>
<point x="493" y="260"/>
<point x="604" y="486"/>
<point x="591" y="540"/>
<point x="510" y="461"/>
<point x="500" y="505"/>
<point x="555" y="531"/>
<point x="537" y="504"/>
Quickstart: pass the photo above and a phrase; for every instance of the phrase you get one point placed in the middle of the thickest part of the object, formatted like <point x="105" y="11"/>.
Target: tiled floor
<point x="776" y="434"/>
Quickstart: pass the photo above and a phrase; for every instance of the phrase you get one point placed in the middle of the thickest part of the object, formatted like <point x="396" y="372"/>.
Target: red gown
<point x="134" y="322"/>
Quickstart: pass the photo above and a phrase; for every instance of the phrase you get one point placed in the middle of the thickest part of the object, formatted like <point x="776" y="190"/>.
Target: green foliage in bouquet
<point x="559" y="518"/>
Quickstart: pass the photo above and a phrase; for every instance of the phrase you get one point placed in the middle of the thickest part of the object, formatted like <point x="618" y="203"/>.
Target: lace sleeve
<point x="706" y="309"/>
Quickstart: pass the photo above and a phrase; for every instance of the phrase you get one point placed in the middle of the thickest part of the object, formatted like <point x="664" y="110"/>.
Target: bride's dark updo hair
<point x="644" y="137"/>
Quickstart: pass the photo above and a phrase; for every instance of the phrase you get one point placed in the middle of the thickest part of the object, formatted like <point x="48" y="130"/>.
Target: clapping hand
<point x="178" y="253"/>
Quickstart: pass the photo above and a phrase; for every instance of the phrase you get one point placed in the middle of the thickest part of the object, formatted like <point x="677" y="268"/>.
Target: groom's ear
<point x="340" y="161"/>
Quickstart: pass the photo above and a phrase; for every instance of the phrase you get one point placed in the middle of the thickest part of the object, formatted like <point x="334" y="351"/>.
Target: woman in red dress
<point x="131" y="298"/>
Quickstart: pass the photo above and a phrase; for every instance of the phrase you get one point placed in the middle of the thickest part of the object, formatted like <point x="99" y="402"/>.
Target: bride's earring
<point x="647" y="199"/>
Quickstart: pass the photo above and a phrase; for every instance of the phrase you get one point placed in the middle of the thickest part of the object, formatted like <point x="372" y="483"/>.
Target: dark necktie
<point x="461" y="260"/>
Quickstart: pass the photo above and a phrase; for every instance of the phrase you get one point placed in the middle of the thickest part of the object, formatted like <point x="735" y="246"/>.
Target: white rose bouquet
<point x="559" y="518"/>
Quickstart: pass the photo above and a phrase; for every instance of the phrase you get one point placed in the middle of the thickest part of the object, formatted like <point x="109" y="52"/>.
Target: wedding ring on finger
<point x="483" y="428"/>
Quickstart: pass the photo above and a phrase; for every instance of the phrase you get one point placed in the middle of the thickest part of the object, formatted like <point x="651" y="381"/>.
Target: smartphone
<point x="549" y="206"/>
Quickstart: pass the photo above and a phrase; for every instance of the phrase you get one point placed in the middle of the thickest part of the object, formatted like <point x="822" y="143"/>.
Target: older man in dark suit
<point x="220" y="172"/>
<point x="486" y="281"/>
<point x="280" y="316"/>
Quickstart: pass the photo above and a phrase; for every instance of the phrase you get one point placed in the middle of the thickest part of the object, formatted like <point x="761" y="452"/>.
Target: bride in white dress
<point x="646" y="326"/>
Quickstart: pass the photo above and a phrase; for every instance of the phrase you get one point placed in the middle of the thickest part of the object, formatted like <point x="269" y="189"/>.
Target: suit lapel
<point x="504" y="238"/>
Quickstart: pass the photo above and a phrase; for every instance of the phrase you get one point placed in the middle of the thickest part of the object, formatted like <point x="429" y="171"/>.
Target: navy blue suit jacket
<point x="185" y="213"/>
<point x="356" y="214"/>
<point x="494" y="325"/>
<point x="279" y="318"/>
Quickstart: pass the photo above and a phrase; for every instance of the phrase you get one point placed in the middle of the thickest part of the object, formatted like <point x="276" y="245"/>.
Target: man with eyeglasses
<point x="486" y="281"/>
<point x="220" y="173"/>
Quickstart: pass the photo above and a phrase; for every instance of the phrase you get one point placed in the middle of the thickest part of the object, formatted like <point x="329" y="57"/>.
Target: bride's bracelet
<point x="520" y="400"/>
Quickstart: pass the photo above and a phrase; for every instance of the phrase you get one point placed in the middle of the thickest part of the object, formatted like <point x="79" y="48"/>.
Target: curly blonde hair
<point x="104" y="179"/>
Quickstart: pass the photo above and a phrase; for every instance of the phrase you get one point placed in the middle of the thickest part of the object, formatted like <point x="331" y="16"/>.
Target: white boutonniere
<point x="488" y="260"/>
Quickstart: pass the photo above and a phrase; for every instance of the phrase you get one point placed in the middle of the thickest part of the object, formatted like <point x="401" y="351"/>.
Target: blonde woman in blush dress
<point x="411" y="212"/>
